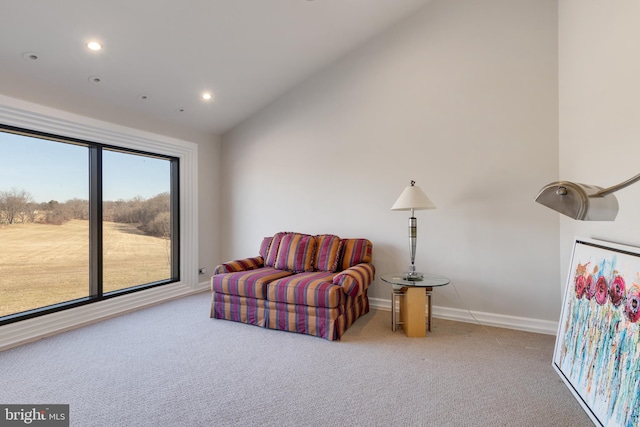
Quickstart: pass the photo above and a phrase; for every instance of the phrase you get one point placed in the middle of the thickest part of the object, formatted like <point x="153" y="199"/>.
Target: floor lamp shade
<point x="411" y="199"/>
<point x="581" y="201"/>
<point x="577" y="201"/>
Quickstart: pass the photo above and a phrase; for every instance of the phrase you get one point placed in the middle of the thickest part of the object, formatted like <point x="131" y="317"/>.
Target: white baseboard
<point x="486" y="319"/>
<point x="24" y="331"/>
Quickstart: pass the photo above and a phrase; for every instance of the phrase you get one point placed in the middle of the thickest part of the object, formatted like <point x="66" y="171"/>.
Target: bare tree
<point x="15" y="205"/>
<point x="77" y="208"/>
<point x="154" y="206"/>
<point x="56" y="213"/>
<point x="160" y="226"/>
<point x="155" y="216"/>
<point x="127" y="211"/>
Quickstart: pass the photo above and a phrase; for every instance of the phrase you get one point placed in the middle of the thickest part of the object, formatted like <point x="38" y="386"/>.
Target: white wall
<point x="461" y="98"/>
<point x="209" y="182"/>
<point x="600" y="111"/>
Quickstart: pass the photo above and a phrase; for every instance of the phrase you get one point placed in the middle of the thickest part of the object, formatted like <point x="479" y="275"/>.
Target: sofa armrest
<point x="355" y="280"/>
<point x="240" y="265"/>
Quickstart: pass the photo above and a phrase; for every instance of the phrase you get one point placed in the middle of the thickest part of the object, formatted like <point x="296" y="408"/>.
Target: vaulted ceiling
<point x="158" y="57"/>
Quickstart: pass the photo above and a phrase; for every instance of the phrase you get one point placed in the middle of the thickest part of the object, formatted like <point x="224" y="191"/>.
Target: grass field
<point x="44" y="264"/>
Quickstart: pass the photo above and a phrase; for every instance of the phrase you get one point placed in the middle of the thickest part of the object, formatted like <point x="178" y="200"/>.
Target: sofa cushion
<point x="252" y="283"/>
<point x="239" y="265"/>
<point x="314" y="289"/>
<point x="272" y="252"/>
<point x="264" y="247"/>
<point x="355" y="251"/>
<point x="327" y="252"/>
<point x="296" y="252"/>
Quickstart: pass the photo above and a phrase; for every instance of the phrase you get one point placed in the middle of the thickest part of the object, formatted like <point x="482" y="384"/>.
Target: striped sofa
<point x="314" y="285"/>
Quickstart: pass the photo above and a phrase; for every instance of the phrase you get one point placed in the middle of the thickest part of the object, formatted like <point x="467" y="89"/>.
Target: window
<point x="82" y="221"/>
<point x="136" y="218"/>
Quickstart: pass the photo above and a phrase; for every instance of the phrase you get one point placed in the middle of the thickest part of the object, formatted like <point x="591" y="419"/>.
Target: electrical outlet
<point x="202" y="270"/>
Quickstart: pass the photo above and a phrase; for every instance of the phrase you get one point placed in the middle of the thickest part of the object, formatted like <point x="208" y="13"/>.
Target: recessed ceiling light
<point x="94" y="45"/>
<point x="206" y="96"/>
<point x="30" y="56"/>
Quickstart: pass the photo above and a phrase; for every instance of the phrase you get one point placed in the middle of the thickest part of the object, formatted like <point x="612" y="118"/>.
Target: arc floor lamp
<point x="581" y="201"/>
<point x="412" y="199"/>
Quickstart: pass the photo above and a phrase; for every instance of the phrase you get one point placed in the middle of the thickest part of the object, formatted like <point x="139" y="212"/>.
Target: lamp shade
<point x="579" y="201"/>
<point x="412" y="198"/>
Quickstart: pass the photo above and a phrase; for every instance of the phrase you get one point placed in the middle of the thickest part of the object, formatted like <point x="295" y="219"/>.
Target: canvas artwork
<point x="597" y="350"/>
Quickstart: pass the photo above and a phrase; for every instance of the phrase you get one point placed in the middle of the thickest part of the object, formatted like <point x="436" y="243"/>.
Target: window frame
<point x="37" y="118"/>
<point x="95" y="290"/>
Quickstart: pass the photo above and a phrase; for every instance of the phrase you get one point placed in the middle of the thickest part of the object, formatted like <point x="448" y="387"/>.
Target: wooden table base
<point x="412" y="316"/>
<point x="413" y="312"/>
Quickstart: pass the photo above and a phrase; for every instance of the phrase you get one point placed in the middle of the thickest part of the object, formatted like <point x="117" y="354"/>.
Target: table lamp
<point x="411" y="199"/>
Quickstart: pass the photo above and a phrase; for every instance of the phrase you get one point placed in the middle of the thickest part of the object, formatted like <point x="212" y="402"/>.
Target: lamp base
<point x="413" y="276"/>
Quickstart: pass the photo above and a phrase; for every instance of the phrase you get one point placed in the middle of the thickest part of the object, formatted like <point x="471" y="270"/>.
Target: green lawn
<point x="44" y="264"/>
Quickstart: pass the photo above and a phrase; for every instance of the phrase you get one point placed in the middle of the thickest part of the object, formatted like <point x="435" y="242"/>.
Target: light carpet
<point x="171" y="365"/>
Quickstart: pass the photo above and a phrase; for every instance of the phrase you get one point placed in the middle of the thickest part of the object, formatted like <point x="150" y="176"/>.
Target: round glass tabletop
<point x="429" y="280"/>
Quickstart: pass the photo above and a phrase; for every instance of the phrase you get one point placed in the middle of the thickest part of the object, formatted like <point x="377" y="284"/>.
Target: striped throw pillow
<point x="355" y="251"/>
<point x="239" y="265"/>
<point x="264" y="247"/>
<point x="295" y="253"/>
<point x="272" y="252"/>
<point x="328" y="252"/>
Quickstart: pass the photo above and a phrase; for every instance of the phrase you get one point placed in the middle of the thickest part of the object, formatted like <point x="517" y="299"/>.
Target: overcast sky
<point x="50" y="170"/>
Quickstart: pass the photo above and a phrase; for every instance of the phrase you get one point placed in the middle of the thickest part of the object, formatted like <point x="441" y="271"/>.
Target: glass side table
<point x="414" y="297"/>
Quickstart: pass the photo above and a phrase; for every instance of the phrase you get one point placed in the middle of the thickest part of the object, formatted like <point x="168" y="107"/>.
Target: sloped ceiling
<point x="158" y="57"/>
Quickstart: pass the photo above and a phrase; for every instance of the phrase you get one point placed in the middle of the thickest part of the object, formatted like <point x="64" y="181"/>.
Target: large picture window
<point x="82" y="221"/>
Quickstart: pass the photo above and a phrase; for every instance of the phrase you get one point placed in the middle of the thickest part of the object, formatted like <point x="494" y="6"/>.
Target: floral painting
<point x="597" y="350"/>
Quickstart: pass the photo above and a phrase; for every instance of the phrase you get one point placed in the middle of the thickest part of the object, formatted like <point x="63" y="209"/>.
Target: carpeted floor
<point x="171" y="365"/>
